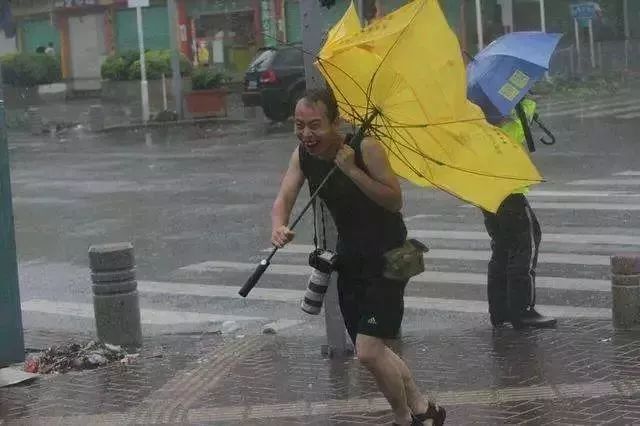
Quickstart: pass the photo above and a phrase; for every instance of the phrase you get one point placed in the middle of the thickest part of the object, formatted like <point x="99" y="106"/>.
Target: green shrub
<point x="126" y="66"/>
<point x="114" y="68"/>
<point x="156" y="65"/>
<point x="185" y="65"/>
<point x="29" y="69"/>
<point x="205" y="79"/>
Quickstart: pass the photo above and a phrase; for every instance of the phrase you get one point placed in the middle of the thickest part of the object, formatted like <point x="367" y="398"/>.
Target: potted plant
<point x="208" y="96"/>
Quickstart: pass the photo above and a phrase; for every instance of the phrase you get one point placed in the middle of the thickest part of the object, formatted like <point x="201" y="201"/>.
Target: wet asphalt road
<point x="196" y="205"/>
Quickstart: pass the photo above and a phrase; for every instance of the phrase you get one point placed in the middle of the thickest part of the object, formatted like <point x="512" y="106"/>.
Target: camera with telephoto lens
<point x="323" y="263"/>
<point x="323" y="260"/>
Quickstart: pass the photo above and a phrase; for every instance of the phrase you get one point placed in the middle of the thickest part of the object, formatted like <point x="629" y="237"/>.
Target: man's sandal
<point x="435" y="413"/>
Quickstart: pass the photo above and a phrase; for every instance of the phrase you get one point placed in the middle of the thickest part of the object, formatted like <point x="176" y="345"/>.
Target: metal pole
<point x="600" y="55"/>
<point x="479" y="25"/>
<point x="576" y="29"/>
<point x="175" y="57"/>
<point x="11" y="334"/>
<point x="144" y="87"/>
<point x="571" y="64"/>
<point x="543" y="27"/>
<point x="360" y="8"/>
<point x="311" y="40"/>
<point x="591" y="44"/>
<point x="543" y="17"/>
<point x="627" y="29"/>
<point x="164" y="93"/>
<point x="312" y="34"/>
<point x="507" y="15"/>
<point x="627" y="32"/>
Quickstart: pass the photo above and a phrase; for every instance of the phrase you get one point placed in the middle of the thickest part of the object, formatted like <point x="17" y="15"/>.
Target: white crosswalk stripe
<point x="623" y="108"/>
<point x="148" y="316"/>
<point x="574" y="262"/>
<point x="607" y="182"/>
<point x="558" y="283"/>
<point x="561" y="258"/>
<point x="628" y="173"/>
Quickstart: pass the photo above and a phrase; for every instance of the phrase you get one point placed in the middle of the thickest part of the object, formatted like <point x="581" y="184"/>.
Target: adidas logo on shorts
<point x="373" y="321"/>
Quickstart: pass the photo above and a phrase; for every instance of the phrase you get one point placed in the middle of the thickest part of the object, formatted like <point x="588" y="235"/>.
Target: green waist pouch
<point x="406" y="261"/>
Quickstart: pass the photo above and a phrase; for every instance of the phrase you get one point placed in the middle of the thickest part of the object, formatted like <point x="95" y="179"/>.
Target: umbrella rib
<point x="401" y="125"/>
<point x="440" y="187"/>
<point x="451" y="166"/>
<point x="398" y="154"/>
<point x="353" y="108"/>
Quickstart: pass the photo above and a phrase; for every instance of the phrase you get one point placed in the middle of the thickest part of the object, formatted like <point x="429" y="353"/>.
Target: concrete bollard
<point x="115" y="294"/>
<point x="96" y="118"/>
<point x="35" y="120"/>
<point x="625" y="291"/>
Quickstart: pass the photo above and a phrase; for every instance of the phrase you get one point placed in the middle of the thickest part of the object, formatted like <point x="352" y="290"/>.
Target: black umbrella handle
<point x="255" y="277"/>
<point x="522" y="115"/>
<point x="544" y="128"/>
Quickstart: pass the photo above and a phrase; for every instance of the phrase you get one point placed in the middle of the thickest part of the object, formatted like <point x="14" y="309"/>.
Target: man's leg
<point x="381" y="310"/>
<point x="378" y="359"/>
<point x="497" y="271"/>
<point x="416" y="401"/>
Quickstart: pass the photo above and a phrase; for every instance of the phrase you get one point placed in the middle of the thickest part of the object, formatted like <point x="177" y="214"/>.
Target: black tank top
<point x="364" y="227"/>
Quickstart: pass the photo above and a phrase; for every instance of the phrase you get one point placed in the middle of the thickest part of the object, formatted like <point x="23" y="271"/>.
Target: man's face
<point x="313" y="127"/>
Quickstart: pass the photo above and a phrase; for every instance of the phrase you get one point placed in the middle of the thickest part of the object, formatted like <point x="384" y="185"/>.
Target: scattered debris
<point x="130" y="359"/>
<point x="64" y="358"/>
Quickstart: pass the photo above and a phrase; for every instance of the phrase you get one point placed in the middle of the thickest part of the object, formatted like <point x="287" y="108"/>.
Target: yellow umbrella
<point x="404" y="78"/>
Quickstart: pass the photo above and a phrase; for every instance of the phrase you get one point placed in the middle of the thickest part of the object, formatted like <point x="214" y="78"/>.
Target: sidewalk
<point x="75" y="111"/>
<point x="582" y="373"/>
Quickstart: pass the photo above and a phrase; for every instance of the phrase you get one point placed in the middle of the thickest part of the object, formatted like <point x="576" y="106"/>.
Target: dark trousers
<point x="515" y="238"/>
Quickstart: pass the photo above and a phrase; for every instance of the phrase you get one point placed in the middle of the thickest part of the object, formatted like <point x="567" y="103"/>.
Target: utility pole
<point x="312" y="35"/>
<point x="479" y="27"/>
<point x="144" y="85"/>
<point x="11" y="334"/>
<point x="175" y="56"/>
<point x="311" y="18"/>
<point x="627" y="32"/>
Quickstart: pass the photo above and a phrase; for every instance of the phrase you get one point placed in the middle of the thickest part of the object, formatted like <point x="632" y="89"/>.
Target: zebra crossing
<point x="572" y="281"/>
<point x="619" y="107"/>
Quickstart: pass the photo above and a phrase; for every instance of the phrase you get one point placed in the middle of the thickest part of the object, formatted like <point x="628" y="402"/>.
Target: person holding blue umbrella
<point x="499" y="78"/>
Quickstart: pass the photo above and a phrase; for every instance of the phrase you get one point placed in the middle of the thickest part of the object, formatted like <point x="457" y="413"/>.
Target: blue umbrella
<point x="502" y="73"/>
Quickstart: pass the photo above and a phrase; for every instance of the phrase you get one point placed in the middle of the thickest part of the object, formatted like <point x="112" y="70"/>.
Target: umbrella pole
<point x="522" y="115"/>
<point x="264" y="264"/>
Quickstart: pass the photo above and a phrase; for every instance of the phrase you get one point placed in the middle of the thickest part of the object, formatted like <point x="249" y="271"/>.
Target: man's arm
<point x="381" y="184"/>
<point x="284" y="202"/>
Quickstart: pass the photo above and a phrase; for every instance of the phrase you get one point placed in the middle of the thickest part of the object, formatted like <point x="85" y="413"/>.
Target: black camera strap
<point x="315" y="225"/>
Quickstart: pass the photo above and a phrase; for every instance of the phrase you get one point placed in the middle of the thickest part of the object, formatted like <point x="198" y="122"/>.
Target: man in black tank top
<point x="364" y="199"/>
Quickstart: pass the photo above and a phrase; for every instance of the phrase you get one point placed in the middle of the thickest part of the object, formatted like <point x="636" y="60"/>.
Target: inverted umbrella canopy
<point x="502" y="73"/>
<point x="406" y="71"/>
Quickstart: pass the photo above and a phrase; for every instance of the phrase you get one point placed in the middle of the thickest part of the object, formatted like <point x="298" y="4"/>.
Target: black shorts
<point x="371" y="305"/>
